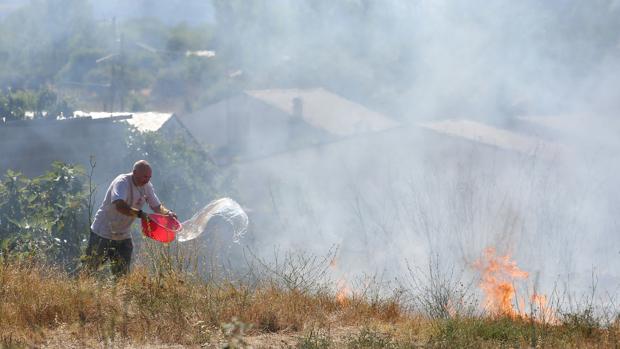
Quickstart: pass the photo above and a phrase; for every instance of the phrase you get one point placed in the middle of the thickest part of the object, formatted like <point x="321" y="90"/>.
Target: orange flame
<point x="342" y="296"/>
<point x="333" y="263"/>
<point x="343" y="291"/>
<point x="544" y="312"/>
<point x="539" y="300"/>
<point x="498" y="276"/>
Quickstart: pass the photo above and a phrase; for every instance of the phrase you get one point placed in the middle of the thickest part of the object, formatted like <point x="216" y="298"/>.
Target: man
<point x="110" y="234"/>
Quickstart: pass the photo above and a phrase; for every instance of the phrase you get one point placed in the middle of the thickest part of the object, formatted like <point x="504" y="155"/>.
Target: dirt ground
<point x="66" y="339"/>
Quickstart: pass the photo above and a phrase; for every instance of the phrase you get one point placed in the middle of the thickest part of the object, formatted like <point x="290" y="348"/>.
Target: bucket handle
<point x="166" y="228"/>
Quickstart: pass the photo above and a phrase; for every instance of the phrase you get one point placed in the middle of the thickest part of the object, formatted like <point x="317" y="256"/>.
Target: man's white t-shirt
<point x="111" y="224"/>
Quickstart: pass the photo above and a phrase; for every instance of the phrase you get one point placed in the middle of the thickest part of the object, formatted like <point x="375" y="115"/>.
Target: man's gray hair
<point x="141" y="164"/>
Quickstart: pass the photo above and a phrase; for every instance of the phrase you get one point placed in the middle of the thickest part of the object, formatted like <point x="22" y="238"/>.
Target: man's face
<point x="142" y="176"/>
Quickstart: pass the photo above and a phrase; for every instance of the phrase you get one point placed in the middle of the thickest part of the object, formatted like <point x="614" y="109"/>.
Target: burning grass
<point x="40" y="305"/>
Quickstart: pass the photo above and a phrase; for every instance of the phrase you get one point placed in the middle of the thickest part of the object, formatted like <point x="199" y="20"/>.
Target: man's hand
<point x="141" y="215"/>
<point x="163" y="210"/>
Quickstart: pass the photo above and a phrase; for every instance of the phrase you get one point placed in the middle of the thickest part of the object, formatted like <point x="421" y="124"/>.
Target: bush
<point x="44" y="217"/>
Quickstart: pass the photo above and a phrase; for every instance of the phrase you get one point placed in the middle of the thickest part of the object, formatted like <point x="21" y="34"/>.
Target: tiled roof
<point x="493" y="136"/>
<point x="325" y="110"/>
<point x="143" y="121"/>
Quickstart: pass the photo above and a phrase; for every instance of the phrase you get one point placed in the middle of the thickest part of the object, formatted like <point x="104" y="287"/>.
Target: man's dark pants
<point x="118" y="252"/>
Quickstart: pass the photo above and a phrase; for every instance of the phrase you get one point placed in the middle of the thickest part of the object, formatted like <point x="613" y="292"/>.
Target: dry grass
<point x="41" y="306"/>
<point x="172" y="308"/>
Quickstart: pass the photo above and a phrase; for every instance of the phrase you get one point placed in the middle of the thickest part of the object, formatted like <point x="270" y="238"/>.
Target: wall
<point x="30" y="147"/>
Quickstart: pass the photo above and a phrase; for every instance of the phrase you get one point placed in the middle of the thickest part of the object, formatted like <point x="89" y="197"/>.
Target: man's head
<point x="141" y="172"/>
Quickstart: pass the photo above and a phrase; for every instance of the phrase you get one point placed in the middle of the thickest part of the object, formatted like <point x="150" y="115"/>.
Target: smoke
<point x="410" y="193"/>
<point x="391" y="198"/>
<point x="169" y="12"/>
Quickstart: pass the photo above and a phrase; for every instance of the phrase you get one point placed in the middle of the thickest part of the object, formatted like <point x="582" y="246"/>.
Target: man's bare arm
<point x="124" y="208"/>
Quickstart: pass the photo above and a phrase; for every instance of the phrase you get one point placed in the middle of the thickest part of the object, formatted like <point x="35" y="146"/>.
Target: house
<point x="142" y="121"/>
<point x="30" y="146"/>
<point x="501" y="138"/>
<point x="258" y="123"/>
<point x="371" y="185"/>
<point x="306" y="141"/>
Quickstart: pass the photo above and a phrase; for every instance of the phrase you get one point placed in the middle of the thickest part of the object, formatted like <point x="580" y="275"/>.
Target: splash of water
<point x="225" y="208"/>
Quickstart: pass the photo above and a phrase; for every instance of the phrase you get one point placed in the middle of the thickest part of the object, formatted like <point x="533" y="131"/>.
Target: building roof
<point x="558" y="122"/>
<point x="325" y="110"/>
<point x="575" y="123"/>
<point x="143" y="121"/>
<point x="497" y="137"/>
<point x="585" y="130"/>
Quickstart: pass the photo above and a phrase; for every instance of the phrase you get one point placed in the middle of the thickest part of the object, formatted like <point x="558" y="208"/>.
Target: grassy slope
<point x="42" y="306"/>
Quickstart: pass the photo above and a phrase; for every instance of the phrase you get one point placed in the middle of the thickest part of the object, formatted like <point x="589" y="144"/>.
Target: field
<point x="292" y="305"/>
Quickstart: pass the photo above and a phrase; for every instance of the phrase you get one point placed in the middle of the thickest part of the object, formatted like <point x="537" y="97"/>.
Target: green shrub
<point x="44" y="217"/>
<point x="466" y="332"/>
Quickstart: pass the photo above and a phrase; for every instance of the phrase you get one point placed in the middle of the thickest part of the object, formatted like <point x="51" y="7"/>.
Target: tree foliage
<point x="45" y="216"/>
<point x="367" y="50"/>
<point x="44" y="103"/>
<point x="13" y="106"/>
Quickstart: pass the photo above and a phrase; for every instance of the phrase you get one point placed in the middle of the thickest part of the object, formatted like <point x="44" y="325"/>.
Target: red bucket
<point x="162" y="228"/>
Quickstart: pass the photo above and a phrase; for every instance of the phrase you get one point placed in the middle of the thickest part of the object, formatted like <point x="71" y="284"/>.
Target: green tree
<point x="46" y="216"/>
<point x="14" y="104"/>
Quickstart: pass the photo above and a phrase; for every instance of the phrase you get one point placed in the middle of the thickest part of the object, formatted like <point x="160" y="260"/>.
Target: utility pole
<point x="109" y="102"/>
<point x="117" y="71"/>
<point x="121" y="73"/>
